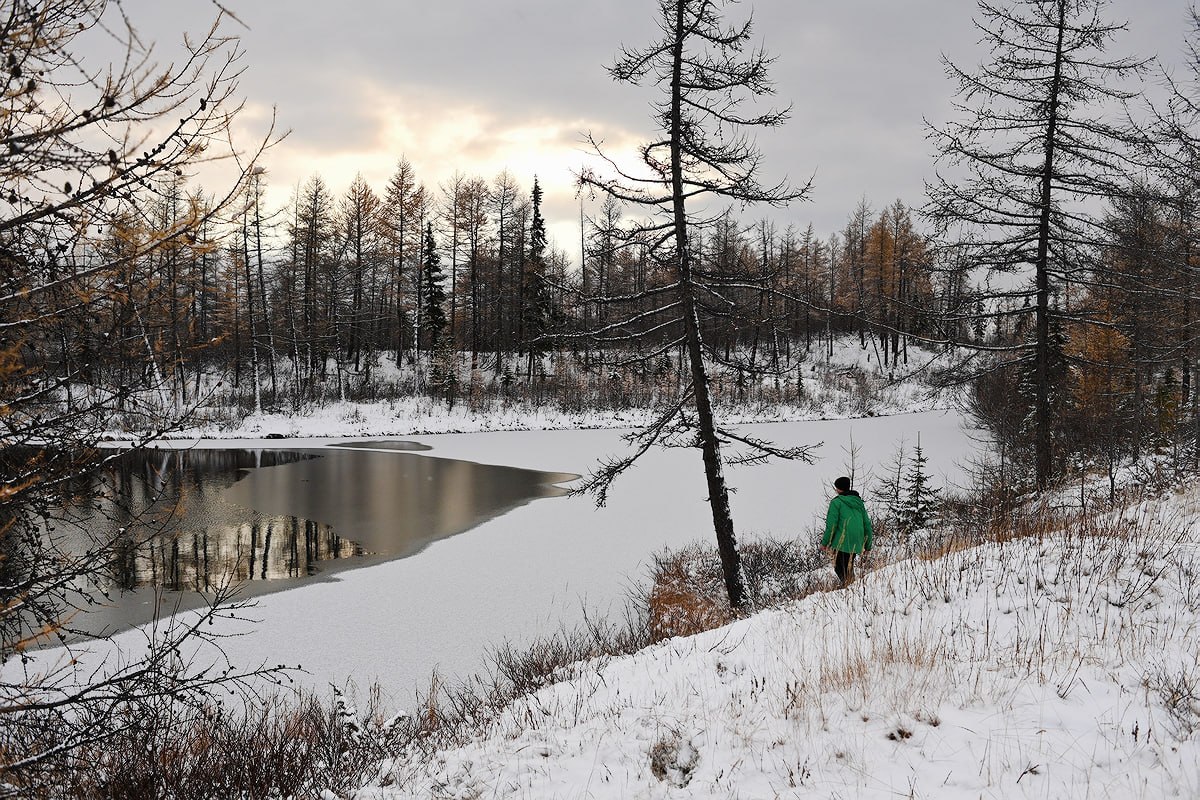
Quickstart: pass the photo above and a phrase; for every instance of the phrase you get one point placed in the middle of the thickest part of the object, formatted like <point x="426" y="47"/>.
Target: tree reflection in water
<point x="200" y="539"/>
<point x="254" y="516"/>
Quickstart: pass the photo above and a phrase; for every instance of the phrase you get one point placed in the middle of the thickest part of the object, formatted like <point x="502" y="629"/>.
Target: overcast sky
<point x="483" y="85"/>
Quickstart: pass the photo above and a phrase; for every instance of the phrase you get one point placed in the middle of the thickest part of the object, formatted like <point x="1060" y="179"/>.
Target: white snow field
<point x="1061" y="668"/>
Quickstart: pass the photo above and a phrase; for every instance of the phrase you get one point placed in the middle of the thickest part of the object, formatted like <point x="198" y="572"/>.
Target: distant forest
<point x="407" y="290"/>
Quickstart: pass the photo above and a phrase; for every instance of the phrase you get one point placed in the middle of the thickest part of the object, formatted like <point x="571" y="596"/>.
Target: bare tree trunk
<point x="250" y="313"/>
<point x="262" y="288"/>
<point x="1042" y="419"/>
<point x="718" y="493"/>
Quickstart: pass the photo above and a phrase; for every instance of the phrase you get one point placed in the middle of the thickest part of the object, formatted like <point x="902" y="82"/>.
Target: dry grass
<point x="1076" y="605"/>
<point x="687" y="590"/>
<point x="287" y="746"/>
<point x="683" y="601"/>
<point x="864" y="662"/>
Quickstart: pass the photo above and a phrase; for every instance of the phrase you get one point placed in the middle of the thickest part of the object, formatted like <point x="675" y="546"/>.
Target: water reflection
<point x="176" y="528"/>
<point x="392" y="503"/>
<point x="193" y="520"/>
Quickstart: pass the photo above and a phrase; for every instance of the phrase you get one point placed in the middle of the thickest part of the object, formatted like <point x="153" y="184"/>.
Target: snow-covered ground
<point x="1061" y="668"/>
<point x="1066" y="667"/>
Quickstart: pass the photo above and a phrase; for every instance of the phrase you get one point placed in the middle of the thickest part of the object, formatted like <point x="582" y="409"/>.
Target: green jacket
<point x="847" y="526"/>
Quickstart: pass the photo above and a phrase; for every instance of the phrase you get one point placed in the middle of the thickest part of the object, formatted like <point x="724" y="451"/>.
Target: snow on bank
<point x="423" y="416"/>
<point x="850" y="385"/>
<point x="1064" y="668"/>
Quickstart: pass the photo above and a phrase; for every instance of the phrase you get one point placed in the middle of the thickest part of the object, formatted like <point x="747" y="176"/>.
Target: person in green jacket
<point x="847" y="529"/>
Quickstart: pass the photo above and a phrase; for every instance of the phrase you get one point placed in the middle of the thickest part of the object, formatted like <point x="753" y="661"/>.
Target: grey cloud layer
<point x="860" y="74"/>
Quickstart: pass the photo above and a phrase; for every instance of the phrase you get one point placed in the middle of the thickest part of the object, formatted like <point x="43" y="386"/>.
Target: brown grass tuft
<point x="681" y="604"/>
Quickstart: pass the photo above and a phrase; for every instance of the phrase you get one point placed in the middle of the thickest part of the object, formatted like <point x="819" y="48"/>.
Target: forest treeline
<point x="305" y="303"/>
<point x="371" y="294"/>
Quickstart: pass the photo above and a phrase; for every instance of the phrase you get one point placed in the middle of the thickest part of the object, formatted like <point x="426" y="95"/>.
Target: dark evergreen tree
<point x="1048" y="420"/>
<point x="434" y="318"/>
<point x="536" y="305"/>
<point x="919" y="500"/>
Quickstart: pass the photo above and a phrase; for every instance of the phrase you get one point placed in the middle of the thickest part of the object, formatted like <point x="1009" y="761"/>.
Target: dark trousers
<point x="843" y="565"/>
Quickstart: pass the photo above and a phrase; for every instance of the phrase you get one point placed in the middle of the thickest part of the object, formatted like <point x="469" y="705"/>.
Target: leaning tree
<point x="701" y="156"/>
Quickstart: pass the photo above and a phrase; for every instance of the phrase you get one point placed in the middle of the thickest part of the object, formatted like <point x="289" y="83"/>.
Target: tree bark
<point x="1042" y="419"/>
<point x="710" y="445"/>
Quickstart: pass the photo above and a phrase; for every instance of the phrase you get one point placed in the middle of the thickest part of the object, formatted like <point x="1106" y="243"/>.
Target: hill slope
<point x="1066" y="667"/>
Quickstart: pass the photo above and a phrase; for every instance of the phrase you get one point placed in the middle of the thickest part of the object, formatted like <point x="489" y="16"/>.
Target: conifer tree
<point x="536" y="308"/>
<point x="434" y="318"/>
<point x="920" y="500"/>
<point x="361" y="224"/>
<point x="403" y="232"/>
<point x="310" y="290"/>
<point x="1036" y="142"/>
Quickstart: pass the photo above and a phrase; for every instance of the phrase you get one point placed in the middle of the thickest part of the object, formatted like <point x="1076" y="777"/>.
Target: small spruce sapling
<point x="920" y="500"/>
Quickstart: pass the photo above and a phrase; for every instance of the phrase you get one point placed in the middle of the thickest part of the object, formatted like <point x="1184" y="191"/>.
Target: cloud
<point x="478" y="87"/>
<point x="439" y="139"/>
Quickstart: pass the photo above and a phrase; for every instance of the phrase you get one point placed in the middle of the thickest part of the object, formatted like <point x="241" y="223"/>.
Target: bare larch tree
<point x="91" y="152"/>
<point x="1036" y="147"/>
<point x="702" y="156"/>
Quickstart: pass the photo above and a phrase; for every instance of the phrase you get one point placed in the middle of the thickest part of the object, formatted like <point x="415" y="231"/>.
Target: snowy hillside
<point x="1066" y="667"/>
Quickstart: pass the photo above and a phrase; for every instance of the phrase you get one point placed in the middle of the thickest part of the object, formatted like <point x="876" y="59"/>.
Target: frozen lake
<point x="542" y="564"/>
